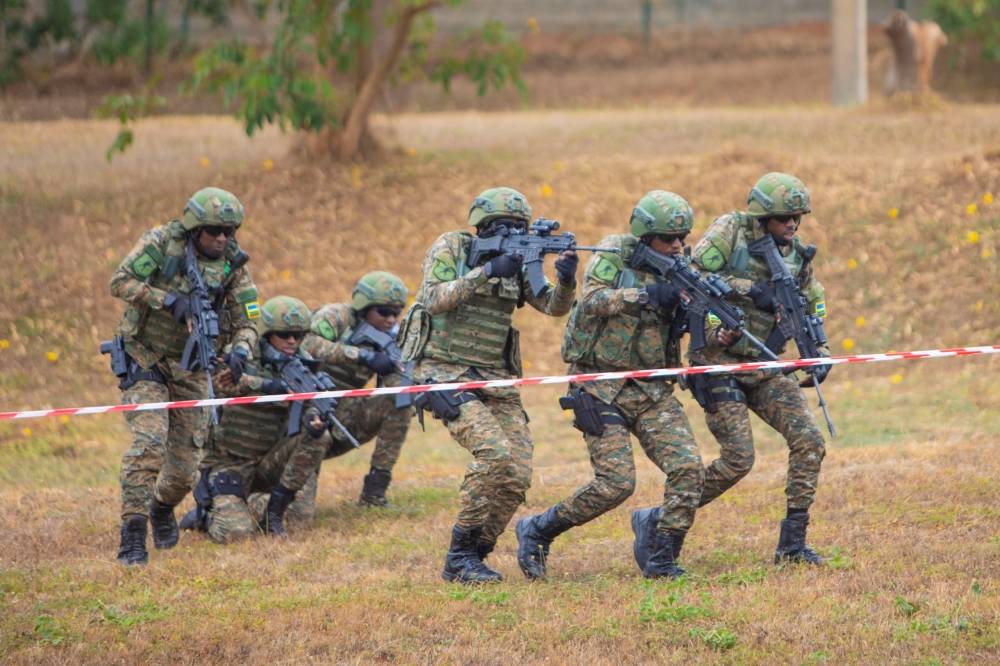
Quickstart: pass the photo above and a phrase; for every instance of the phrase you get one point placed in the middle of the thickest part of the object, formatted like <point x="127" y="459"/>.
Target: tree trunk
<point x="914" y="47"/>
<point x="355" y="126"/>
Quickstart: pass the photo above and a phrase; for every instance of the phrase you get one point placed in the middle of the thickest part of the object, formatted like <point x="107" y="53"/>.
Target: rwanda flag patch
<point x="821" y="309"/>
<point x="252" y="310"/>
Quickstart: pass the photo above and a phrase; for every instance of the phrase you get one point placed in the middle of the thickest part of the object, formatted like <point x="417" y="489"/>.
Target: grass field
<point x="909" y="497"/>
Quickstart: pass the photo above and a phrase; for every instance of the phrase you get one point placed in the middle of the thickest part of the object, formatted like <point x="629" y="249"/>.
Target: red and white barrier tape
<point x="527" y="381"/>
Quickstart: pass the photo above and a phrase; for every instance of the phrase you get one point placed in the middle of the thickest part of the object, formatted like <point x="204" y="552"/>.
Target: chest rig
<point x="476" y="333"/>
<point x="352" y="376"/>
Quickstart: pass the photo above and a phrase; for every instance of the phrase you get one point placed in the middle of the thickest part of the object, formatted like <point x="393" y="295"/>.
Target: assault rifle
<point x="794" y="321"/>
<point x="385" y="343"/>
<point x="707" y="295"/>
<point x="530" y="247"/>
<point x="301" y="376"/>
<point x="199" y="352"/>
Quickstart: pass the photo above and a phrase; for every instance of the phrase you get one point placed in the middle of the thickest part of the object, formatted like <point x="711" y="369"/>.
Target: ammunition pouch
<point x="590" y="416"/>
<point x="224" y="484"/>
<point x="703" y="387"/>
<point x="442" y="405"/>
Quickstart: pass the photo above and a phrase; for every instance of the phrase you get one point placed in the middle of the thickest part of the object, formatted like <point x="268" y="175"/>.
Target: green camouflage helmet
<point x="661" y="212"/>
<point x="379" y="288"/>
<point x="499" y="202"/>
<point x="212" y="206"/>
<point x="778" y="194"/>
<point x="281" y="314"/>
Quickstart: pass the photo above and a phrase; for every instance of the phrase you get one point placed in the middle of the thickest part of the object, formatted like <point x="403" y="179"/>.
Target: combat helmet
<point x="211" y="206"/>
<point x="281" y="314"/>
<point x="661" y="212"/>
<point x="778" y="194"/>
<point x="379" y="288"/>
<point x="499" y="202"/>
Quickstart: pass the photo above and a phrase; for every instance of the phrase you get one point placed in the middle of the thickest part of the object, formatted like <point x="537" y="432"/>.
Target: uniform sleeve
<point x="128" y="282"/>
<point x="441" y="289"/>
<point x="322" y="341"/>
<point x="599" y="296"/>
<point x="815" y="295"/>
<point x="714" y="249"/>
<point x="242" y="301"/>
<point x="555" y="302"/>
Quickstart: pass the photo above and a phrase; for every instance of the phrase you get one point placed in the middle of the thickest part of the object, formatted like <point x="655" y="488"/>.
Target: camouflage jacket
<point x="332" y="325"/>
<point x="448" y="283"/>
<point x="153" y="270"/>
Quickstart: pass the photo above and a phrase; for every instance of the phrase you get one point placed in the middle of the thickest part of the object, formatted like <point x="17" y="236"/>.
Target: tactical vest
<point x="351" y="376"/>
<point x="637" y="338"/>
<point x="476" y="332"/>
<point x="251" y="431"/>
<point x="743" y="265"/>
<point x="157" y="329"/>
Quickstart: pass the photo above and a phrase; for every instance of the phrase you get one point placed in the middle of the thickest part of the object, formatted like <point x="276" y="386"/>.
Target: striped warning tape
<point x="526" y="381"/>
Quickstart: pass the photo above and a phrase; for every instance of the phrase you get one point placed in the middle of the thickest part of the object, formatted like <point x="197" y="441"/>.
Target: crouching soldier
<point x="355" y="341"/>
<point x="255" y="448"/>
<point x="625" y="320"/>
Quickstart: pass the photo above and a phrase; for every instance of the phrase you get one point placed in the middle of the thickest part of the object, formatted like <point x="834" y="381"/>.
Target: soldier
<point x="625" y="320"/>
<point x="378" y="299"/>
<point x="776" y="206"/>
<point x="160" y="468"/>
<point x="249" y="450"/>
<point x="460" y="330"/>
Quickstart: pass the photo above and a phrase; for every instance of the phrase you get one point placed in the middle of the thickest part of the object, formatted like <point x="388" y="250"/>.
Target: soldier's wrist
<point x="478" y="276"/>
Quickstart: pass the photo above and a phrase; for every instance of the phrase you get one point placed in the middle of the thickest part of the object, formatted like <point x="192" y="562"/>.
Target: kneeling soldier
<point x="625" y="320"/>
<point x="250" y="449"/>
<point x="345" y="338"/>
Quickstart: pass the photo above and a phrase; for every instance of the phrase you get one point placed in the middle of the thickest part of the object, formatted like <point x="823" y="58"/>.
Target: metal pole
<point x="850" y="52"/>
<point x="647" y="20"/>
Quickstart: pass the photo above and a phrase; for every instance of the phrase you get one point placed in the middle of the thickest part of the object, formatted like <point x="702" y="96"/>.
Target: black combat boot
<point x="663" y="562"/>
<point x="484" y="548"/>
<point x="163" y="524"/>
<point x="277" y="503"/>
<point x="534" y="536"/>
<point x="792" y="542"/>
<point x="462" y="563"/>
<point x="373" y="492"/>
<point x="191" y="523"/>
<point x="644" y="523"/>
<point x="133" y="545"/>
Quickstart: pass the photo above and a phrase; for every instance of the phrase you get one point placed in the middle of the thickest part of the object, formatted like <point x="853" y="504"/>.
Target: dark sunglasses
<point x="291" y="335"/>
<point x="670" y="238"/>
<point x="388" y="311"/>
<point x="218" y="230"/>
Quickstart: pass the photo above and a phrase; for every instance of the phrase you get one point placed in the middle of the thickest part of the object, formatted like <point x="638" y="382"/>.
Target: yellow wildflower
<point x="972" y="237"/>
<point x="859" y="322"/>
<point x="285" y="274"/>
<point x="268" y="164"/>
<point x="893" y="213"/>
<point x="848" y="344"/>
<point x="546" y="190"/>
<point x="204" y="162"/>
<point x="52" y="356"/>
<point x="26" y="431"/>
<point x="896" y="378"/>
<point x="4" y="344"/>
<point x="971" y="209"/>
<point x="852" y="264"/>
<point x="987" y="254"/>
<point x="988" y="198"/>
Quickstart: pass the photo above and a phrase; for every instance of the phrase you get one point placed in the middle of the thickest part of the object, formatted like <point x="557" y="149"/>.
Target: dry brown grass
<point x="909" y="492"/>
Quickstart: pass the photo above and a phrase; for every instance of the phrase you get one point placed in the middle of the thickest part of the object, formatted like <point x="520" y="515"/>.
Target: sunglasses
<point x="388" y="311"/>
<point x="291" y="335"/>
<point x="670" y="238"/>
<point x="218" y="230"/>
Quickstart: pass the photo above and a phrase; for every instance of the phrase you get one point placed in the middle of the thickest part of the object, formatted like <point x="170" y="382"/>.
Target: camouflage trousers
<point x="291" y="463"/>
<point x="665" y="436"/>
<point x="779" y="401"/>
<point x="366" y="419"/>
<point x="166" y="444"/>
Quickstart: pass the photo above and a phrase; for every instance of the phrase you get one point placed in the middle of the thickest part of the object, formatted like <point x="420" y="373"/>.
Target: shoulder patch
<point x="250" y="301"/>
<point x="325" y="329"/>
<point x="443" y="271"/>
<point x="148" y="261"/>
<point x="252" y="310"/>
<point x="605" y="270"/>
<point x="821" y="309"/>
<point x="712" y="259"/>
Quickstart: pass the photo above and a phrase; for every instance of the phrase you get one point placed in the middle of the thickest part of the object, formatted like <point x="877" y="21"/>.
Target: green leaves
<point x="967" y="20"/>
<point x="493" y="61"/>
<point x="129" y="108"/>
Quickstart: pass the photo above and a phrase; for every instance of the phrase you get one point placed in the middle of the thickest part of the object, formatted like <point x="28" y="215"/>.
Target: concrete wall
<point x="625" y="15"/>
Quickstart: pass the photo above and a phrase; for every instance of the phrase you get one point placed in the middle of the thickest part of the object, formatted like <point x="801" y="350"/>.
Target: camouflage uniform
<point x="460" y="330"/>
<point x="161" y="465"/>
<point x="776" y="398"/>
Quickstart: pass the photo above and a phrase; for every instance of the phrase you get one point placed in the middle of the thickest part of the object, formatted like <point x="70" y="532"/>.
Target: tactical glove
<point x="377" y="361"/>
<point x="566" y="268"/>
<point x="237" y="362"/>
<point x="762" y="296"/>
<point x="315" y="433"/>
<point x="504" y="266"/>
<point x="178" y="307"/>
<point x="663" y="295"/>
<point x="817" y="373"/>
<point x="274" y="387"/>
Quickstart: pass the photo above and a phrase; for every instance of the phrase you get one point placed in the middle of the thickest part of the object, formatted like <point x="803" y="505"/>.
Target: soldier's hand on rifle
<point x="763" y="297"/>
<point x="315" y="425"/>
<point x="179" y="309"/>
<point x="275" y="387"/>
<point x="504" y="266"/>
<point x="727" y="337"/>
<point x="237" y="362"/>
<point x="817" y="373"/>
<point x="566" y="267"/>
<point x="380" y="362"/>
<point x="663" y="295"/>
